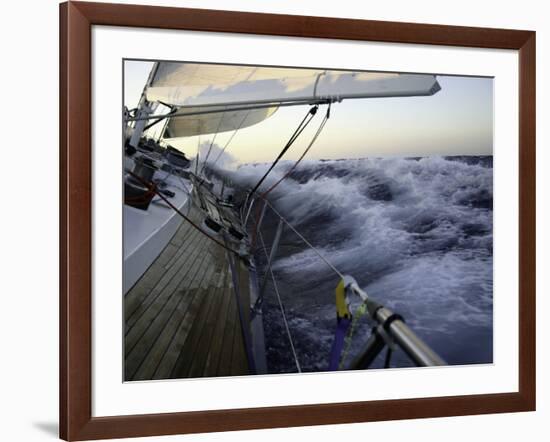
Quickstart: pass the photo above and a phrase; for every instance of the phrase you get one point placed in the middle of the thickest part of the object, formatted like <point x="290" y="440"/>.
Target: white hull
<point x="146" y="233"/>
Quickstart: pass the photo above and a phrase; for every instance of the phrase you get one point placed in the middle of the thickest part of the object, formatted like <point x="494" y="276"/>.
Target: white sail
<point x="188" y="84"/>
<point x="224" y="120"/>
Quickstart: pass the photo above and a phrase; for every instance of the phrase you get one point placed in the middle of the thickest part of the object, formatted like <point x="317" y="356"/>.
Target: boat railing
<point x="389" y="329"/>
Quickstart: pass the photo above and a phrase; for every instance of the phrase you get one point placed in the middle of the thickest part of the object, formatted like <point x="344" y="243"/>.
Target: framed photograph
<point x="274" y="220"/>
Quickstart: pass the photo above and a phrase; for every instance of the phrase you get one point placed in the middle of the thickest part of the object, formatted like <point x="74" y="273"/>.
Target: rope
<point x="319" y="130"/>
<point x="153" y="188"/>
<point x="361" y="310"/>
<point x="281" y="307"/>
<point x="230" y="139"/>
<point x="311" y="143"/>
<point x="303" y="124"/>
<point x="140" y="198"/>
<point x="159" y="119"/>
<point x="325" y="260"/>
<point x="197" y="156"/>
<point x="212" y="142"/>
<point x="186" y="190"/>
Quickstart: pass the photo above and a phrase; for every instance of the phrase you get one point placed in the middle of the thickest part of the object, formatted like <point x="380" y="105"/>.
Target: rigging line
<point x="319" y="130"/>
<point x="230" y="139"/>
<point x="281" y="307"/>
<point x="325" y="260"/>
<point x="197" y="155"/>
<point x="358" y="314"/>
<point x="161" y="118"/>
<point x="303" y="124"/>
<point x="193" y="203"/>
<point x="312" y="142"/>
<point x="152" y="188"/>
<point x="187" y="191"/>
<point x="212" y="142"/>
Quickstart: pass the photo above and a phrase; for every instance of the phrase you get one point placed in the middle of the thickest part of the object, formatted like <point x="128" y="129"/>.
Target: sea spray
<point x="416" y="233"/>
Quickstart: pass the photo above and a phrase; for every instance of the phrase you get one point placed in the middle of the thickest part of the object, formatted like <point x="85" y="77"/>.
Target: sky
<point x="458" y="120"/>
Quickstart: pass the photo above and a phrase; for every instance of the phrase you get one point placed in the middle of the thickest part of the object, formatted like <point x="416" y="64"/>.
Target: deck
<point x="183" y="317"/>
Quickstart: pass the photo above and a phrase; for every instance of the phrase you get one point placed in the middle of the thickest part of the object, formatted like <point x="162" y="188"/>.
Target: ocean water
<point x="416" y="234"/>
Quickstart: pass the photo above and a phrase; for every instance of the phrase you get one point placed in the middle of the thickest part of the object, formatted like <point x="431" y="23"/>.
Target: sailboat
<point x="193" y="291"/>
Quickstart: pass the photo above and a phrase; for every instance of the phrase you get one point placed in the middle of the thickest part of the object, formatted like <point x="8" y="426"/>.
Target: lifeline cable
<point x="325" y="260"/>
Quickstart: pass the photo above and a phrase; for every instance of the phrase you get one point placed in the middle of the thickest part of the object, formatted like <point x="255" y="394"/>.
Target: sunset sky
<point x="458" y="120"/>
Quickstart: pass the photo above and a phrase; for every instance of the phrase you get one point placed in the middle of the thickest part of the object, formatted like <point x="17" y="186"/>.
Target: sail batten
<point x="195" y="85"/>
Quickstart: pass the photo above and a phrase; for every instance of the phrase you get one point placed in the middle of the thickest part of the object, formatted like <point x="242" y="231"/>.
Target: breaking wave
<point x="416" y="233"/>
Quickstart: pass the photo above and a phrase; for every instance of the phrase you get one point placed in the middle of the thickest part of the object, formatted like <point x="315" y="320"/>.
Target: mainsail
<point x="222" y="119"/>
<point x="192" y="85"/>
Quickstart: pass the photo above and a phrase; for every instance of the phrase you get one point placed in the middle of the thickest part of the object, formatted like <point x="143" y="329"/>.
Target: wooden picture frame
<point x="76" y="21"/>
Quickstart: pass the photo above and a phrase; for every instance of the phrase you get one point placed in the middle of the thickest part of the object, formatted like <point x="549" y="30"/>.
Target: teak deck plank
<point x="238" y="355"/>
<point x="154" y="325"/>
<point x="194" y="348"/>
<point x="158" y="349"/>
<point x="168" y="361"/>
<point x="136" y="295"/>
<point x="154" y="309"/>
<point x="224" y="361"/>
<point x="214" y="352"/>
<point x="190" y="348"/>
<point x="160" y="279"/>
<point x="199" y="360"/>
<point x="182" y="318"/>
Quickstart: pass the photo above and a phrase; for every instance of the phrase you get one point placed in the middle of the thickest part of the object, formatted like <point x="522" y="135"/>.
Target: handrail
<point x="390" y="331"/>
<point x="407" y="340"/>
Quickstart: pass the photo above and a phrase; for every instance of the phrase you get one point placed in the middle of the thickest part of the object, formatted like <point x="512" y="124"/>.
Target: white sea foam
<point x="415" y="233"/>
